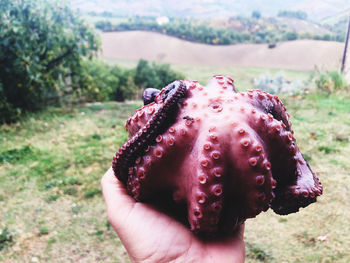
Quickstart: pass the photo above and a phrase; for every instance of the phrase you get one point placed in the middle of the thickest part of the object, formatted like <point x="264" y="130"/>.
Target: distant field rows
<point x="298" y="55"/>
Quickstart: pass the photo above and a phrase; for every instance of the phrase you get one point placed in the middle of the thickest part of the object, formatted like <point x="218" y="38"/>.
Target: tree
<point x="42" y="46"/>
<point x="293" y="14"/>
<point x="154" y="75"/>
<point x="291" y="36"/>
<point x="145" y="76"/>
<point x="256" y="14"/>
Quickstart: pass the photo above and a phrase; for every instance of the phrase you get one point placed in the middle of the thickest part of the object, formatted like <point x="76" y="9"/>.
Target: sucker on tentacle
<point x="221" y="155"/>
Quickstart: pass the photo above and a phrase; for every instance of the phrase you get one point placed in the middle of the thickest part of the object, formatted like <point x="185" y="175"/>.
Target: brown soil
<point x="299" y="54"/>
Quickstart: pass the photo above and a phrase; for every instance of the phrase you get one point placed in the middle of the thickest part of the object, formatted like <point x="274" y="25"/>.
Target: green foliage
<point x="127" y="89"/>
<point x="43" y="231"/>
<point x="51" y="197"/>
<point x="256" y="14"/>
<point x="98" y="83"/>
<point x="76" y="208"/>
<point x="6" y="237"/>
<point x="255" y="252"/>
<point x="290" y="36"/>
<point x="8" y="112"/>
<point x="103" y="82"/>
<point x="339" y="28"/>
<point x="14" y="155"/>
<point x="91" y="193"/>
<point x="330" y="81"/>
<point x="236" y="29"/>
<point x="293" y="14"/>
<point x="154" y="75"/>
<point x="41" y="50"/>
<point x="184" y="29"/>
<point x="71" y="190"/>
<point x="104" y="25"/>
<point x="278" y="84"/>
<point x="327" y="149"/>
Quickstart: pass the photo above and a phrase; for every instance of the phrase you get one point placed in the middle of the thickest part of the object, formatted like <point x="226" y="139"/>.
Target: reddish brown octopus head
<point x="225" y="156"/>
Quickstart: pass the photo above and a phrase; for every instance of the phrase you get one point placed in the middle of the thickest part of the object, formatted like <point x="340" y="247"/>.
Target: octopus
<point x="221" y="155"/>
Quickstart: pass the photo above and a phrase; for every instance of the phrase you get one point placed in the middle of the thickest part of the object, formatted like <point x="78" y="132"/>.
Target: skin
<point x="149" y="235"/>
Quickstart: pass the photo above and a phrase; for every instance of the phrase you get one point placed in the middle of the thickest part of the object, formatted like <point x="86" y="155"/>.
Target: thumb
<point x="119" y="203"/>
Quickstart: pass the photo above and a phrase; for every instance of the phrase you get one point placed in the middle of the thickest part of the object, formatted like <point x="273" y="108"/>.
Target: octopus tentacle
<point x="136" y="146"/>
<point x="281" y="145"/>
<point x="149" y="95"/>
<point x="302" y="192"/>
<point x="253" y="174"/>
<point x="270" y="104"/>
<point x="143" y="178"/>
<point x="297" y="185"/>
<point x="206" y="195"/>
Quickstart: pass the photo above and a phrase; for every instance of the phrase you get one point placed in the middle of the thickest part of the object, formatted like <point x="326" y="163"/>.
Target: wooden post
<point x="345" y="65"/>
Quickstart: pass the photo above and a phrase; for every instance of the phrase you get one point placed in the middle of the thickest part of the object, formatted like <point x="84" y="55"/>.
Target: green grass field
<point x="243" y="76"/>
<point x="51" y="162"/>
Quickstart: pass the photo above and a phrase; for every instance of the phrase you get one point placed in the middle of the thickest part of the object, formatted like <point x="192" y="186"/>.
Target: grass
<point x="243" y="76"/>
<point x="51" y="164"/>
<point x="52" y="208"/>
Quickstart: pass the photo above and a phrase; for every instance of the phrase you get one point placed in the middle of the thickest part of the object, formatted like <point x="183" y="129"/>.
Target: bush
<point x="6" y="237"/>
<point x="103" y="82"/>
<point x="256" y="14"/>
<point x="98" y="83"/>
<point x="7" y="111"/>
<point x="293" y="14"/>
<point x="278" y="84"/>
<point x="290" y="36"/>
<point x="41" y="50"/>
<point x="154" y="75"/>
<point x="330" y="81"/>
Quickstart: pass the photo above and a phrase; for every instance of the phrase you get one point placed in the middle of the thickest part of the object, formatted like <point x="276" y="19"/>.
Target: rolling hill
<point x="299" y="54"/>
<point x="316" y="9"/>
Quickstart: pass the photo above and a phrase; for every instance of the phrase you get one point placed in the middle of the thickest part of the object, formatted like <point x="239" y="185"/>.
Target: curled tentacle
<point x="149" y="95"/>
<point x="146" y="136"/>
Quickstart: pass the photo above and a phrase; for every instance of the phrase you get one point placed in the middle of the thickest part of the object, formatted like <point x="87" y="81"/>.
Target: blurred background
<point x="72" y="72"/>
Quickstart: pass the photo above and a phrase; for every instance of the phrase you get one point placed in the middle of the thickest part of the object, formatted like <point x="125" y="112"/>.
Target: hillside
<point x="299" y="54"/>
<point x="316" y="9"/>
<point x="271" y="25"/>
<point x="338" y="23"/>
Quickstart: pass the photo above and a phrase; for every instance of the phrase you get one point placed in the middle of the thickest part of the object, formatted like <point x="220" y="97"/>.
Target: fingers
<point x="118" y="202"/>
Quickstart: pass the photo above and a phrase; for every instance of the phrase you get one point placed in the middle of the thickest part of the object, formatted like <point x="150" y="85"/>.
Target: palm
<point x="151" y="236"/>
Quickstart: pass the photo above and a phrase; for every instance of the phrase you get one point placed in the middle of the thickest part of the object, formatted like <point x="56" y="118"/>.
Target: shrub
<point x="98" y="83"/>
<point x="103" y="82"/>
<point x="90" y="193"/>
<point x="43" y="231"/>
<point x="290" y="36"/>
<point x="6" y="237"/>
<point x="278" y="84"/>
<point x="41" y="50"/>
<point x="330" y="81"/>
<point x="8" y="113"/>
<point x="256" y="14"/>
<point x="154" y="75"/>
<point x="293" y="14"/>
<point x="127" y="89"/>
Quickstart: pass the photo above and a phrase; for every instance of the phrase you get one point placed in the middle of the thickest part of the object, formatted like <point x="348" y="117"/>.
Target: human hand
<point x="149" y="235"/>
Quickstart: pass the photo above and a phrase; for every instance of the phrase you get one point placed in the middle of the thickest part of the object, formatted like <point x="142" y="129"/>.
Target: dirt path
<point x="299" y="54"/>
